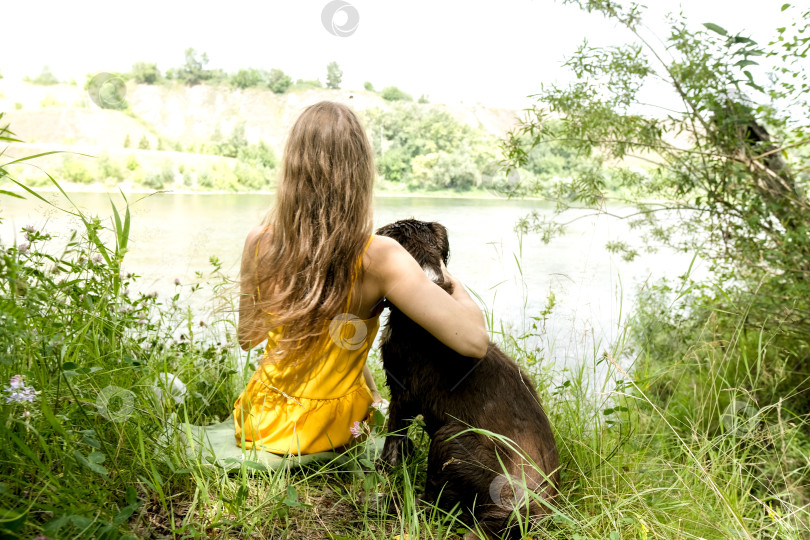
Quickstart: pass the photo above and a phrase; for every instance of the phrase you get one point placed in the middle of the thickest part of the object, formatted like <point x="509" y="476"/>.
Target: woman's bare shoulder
<point x="256" y="232"/>
<point x="382" y="249"/>
<point x="254" y="236"/>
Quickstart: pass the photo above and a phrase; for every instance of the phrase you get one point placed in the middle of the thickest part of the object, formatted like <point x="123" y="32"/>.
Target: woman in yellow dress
<point x="313" y="279"/>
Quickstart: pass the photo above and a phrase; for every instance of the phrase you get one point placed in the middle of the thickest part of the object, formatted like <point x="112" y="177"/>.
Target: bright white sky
<point x="452" y="50"/>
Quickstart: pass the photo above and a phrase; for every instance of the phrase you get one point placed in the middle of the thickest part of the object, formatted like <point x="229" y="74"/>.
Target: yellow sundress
<point x="282" y="412"/>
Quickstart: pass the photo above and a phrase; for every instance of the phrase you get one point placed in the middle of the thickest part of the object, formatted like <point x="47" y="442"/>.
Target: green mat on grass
<point x="216" y="446"/>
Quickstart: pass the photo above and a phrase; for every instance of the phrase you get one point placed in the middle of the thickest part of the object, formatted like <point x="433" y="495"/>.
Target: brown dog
<point x="485" y="475"/>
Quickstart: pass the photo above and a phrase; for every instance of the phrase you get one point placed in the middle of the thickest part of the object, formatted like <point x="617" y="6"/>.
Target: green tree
<point x="127" y="141"/>
<point x="368" y="86"/>
<point x="261" y="155"/>
<point x="247" y="78"/>
<point x="443" y="170"/>
<point x="143" y="144"/>
<point x="193" y="71"/>
<point x="409" y="131"/>
<point x="145" y="73"/>
<point x="231" y="146"/>
<point x="44" y="78"/>
<point x="278" y="81"/>
<point x="333" y="75"/>
<point x="723" y="161"/>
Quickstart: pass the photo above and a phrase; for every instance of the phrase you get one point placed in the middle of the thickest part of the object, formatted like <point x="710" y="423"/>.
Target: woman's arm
<point x="250" y="332"/>
<point x="455" y="320"/>
<point x="375" y="393"/>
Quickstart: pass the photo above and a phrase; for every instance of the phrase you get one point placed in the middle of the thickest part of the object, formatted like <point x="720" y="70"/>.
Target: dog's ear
<point x="440" y="234"/>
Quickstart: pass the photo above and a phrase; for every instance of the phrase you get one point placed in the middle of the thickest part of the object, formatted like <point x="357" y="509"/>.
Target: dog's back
<point x="484" y="473"/>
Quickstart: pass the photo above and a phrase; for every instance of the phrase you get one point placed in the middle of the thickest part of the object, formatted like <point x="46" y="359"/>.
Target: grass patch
<point x="692" y="441"/>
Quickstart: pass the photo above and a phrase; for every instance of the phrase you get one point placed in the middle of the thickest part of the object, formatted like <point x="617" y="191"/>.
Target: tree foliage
<point x="334" y="75"/>
<point x="720" y="154"/>
<point x="145" y="73"/>
<point x="427" y="147"/>
<point x="392" y="93"/>
<point x="278" y="81"/>
<point x="45" y="78"/>
<point x="194" y="70"/>
<point x="247" y="78"/>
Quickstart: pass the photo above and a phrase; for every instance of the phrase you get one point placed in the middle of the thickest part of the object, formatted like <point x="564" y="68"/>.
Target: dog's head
<point x="425" y="241"/>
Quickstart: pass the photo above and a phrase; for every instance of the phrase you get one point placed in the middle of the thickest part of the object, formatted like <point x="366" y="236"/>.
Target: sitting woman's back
<point x="312" y="283"/>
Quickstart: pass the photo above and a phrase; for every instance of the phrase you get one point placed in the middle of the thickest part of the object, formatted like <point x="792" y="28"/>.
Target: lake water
<point x="173" y="236"/>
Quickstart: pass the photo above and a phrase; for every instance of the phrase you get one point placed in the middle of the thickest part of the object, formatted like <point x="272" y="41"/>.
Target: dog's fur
<point x="454" y="393"/>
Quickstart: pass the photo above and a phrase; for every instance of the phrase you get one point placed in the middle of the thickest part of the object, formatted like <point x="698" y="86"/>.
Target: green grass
<point x="659" y="450"/>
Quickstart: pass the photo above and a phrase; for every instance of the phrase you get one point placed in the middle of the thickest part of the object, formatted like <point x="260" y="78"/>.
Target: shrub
<point x="218" y="176"/>
<point x="258" y="154"/>
<point x="278" y="81"/>
<point x="44" y="78"/>
<point x="108" y="168"/>
<point x="77" y="171"/>
<point x="247" y="78"/>
<point x="145" y="73"/>
<point x="132" y="163"/>
<point x="251" y="176"/>
<point x="392" y="93"/>
<point x="301" y="84"/>
<point x="158" y="179"/>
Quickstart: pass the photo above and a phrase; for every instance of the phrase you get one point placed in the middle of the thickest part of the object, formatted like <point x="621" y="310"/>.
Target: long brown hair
<point x="316" y="233"/>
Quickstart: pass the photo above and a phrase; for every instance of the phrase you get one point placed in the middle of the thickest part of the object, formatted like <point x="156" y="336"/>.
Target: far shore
<point x="127" y="190"/>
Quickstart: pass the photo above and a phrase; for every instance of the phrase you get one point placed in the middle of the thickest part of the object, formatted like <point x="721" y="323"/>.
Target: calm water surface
<point x="173" y="236"/>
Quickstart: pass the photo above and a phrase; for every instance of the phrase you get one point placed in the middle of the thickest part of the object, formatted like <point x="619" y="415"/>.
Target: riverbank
<point x="675" y="448"/>
<point x="127" y="188"/>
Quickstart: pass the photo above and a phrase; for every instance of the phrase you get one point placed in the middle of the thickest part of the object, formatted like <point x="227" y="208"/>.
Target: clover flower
<point x="177" y="281"/>
<point x="23" y="248"/>
<point x="356" y="430"/>
<point x="19" y="392"/>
